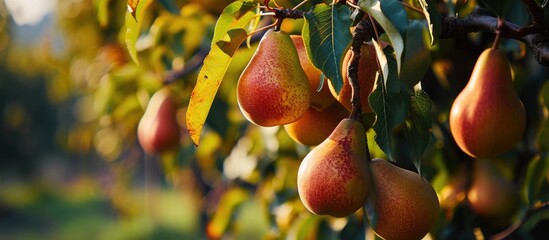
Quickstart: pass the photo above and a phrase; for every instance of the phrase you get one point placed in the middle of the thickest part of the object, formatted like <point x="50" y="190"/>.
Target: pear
<point x="315" y="126"/>
<point x="333" y="179"/>
<point x="491" y="195"/>
<point x="158" y="129"/>
<point x="487" y="118"/>
<point x="319" y="99"/>
<point x="406" y="205"/>
<point x="366" y="77"/>
<point x="273" y="88"/>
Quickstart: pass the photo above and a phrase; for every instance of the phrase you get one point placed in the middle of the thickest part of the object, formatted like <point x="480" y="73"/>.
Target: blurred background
<point x="71" y="166"/>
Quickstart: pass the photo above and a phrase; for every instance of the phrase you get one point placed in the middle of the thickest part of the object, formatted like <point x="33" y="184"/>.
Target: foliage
<point x="241" y="179"/>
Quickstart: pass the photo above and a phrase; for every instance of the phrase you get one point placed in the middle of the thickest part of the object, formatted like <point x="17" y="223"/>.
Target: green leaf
<point x="543" y="135"/>
<point x="418" y="126"/>
<point x="230" y="32"/>
<point x="535" y="175"/>
<point x="433" y="19"/>
<point x="392" y="17"/>
<point x="391" y="106"/>
<point x="541" y="214"/>
<point x="417" y="55"/>
<point x="388" y="65"/>
<point x="133" y="20"/>
<point x="327" y="37"/>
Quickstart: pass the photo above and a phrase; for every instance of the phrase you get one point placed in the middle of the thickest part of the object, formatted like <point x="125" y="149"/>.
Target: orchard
<point x="288" y="119"/>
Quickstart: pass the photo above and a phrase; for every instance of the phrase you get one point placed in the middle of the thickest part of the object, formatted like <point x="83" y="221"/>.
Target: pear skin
<point x="487" y="118"/>
<point x="315" y="126"/>
<point x="319" y="99"/>
<point x="158" y="129"/>
<point x="366" y="77"/>
<point x="334" y="178"/>
<point x="491" y="195"/>
<point x="273" y="88"/>
<point x="407" y="206"/>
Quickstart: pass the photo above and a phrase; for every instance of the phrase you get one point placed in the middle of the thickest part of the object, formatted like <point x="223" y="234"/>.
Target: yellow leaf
<point x="230" y="32"/>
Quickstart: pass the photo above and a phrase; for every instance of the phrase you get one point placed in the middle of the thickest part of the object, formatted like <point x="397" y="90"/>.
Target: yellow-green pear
<point x="334" y="179"/>
<point x="273" y="88"/>
<point x="406" y="205"/>
<point x="487" y="118"/>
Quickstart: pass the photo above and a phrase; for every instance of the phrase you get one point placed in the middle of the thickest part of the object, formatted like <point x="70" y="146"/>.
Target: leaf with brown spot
<point x="230" y="33"/>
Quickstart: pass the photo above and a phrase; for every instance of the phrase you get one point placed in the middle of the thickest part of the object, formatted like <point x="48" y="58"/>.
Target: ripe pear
<point x="487" y="118"/>
<point x="315" y="126"/>
<point x="158" y="129"/>
<point x="319" y="99"/>
<point x="366" y="77"/>
<point x="491" y="195"/>
<point x="407" y="206"/>
<point x="334" y="178"/>
<point x="273" y="88"/>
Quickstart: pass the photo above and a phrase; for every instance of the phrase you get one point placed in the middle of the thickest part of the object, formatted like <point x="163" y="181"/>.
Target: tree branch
<point x="535" y="36"/>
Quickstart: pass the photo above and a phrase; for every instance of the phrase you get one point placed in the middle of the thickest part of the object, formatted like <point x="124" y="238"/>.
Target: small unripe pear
<point x="315" y="126"/>
<point x="319" y="99"/>
<point x="487" y="118"/>
<point x="334" y="178"/>
<point x="273" y="88"/>
<point x="158" y="129"/>
<point x="406" y="205"/>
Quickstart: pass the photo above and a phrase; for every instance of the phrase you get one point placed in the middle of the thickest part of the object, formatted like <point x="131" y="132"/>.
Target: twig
<point x="481" y="21"/>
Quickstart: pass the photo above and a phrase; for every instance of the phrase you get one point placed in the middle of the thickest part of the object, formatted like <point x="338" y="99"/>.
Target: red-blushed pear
<point x="158" y="129"/>
<point x="273" y="88"/>
<point x="319" y="99"/>
<point x="491" y="195"/>
<point x="334" y="178"/>
<point x="315" y="126"/>
<point x="487" y="118"/>
<point x="366" y="77"/>
<point x="406" y="205"/>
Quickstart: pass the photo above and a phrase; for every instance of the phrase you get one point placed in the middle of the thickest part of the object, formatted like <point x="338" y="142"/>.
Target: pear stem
<point x="499" y="31"/>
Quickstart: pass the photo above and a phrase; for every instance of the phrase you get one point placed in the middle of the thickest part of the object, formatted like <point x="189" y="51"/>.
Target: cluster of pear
<point x="487" y="118"/>
<point x="158" y="129"/>
<point x="277" y="89"/>
<point x="336" y="177"/>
